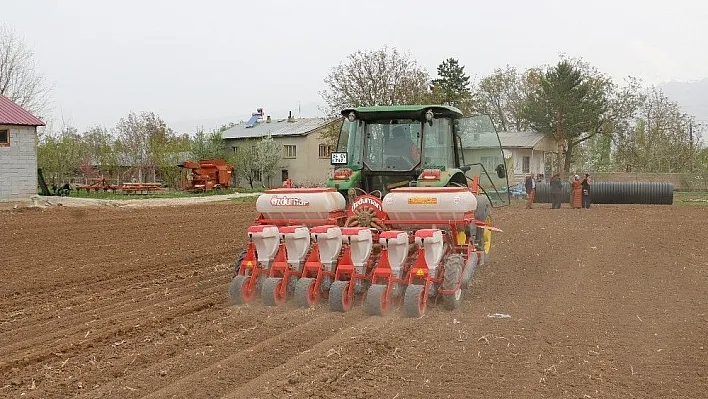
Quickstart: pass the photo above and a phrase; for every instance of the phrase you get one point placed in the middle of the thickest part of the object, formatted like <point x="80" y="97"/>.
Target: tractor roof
<point x="402" y="111"/>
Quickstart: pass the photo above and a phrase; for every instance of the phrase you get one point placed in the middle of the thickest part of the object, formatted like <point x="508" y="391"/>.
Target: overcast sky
<point x="208" y="62"/>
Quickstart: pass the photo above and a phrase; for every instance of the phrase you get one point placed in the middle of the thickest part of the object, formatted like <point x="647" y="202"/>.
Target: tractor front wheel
<point x="239" y="290"/>
<point x="339" y="300"/>
<point x="305" y="293"/>
<point x="414" y="301"/>
<point x="271" y="293"/>
<point x="451" y="276"/>
<point x="377" y="303"/>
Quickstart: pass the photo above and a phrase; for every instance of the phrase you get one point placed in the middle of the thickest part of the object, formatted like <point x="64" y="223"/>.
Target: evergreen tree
<point x="568" y="104"/>
<point x="453" y="84"/>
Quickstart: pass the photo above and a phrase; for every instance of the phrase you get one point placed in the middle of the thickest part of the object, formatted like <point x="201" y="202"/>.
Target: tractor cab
<point x="381" y="148"/>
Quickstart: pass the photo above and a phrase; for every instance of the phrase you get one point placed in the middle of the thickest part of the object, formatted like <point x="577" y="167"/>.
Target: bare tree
<point x="661" y="139"/>
<point x="20" y="81"/>
<point x="375" y="77"/>
<point x="142" y="138"/>
<point x="501" y="95"/>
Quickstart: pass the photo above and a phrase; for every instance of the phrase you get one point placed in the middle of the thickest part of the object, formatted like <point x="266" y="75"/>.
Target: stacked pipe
<point x="615" y="193"/>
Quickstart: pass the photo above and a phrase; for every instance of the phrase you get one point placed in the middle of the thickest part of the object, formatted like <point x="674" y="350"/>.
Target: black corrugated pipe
<point x="615" y="193"/>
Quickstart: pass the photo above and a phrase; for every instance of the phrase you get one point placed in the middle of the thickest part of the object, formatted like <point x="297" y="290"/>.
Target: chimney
<point x="268" y="119"/>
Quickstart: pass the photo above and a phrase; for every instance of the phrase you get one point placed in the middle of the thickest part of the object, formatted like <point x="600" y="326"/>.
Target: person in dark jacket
<point x="556" y="191"/>
<point x="530" y="190"/>
<point x="586" y="191"/>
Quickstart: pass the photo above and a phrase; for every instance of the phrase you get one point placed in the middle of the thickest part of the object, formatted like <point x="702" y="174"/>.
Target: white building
<point x="524" y="153"/>
<point x="18" y="152"/>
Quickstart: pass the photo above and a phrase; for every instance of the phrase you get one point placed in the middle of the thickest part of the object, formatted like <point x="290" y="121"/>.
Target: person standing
<point x="576" y="190"/>
<point x="586" y="190"/>
<point x="530" y="190"/>
<point x="556" y="191"/>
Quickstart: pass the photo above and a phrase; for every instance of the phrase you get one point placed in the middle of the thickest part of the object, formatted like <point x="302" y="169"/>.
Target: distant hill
<point x="691" y="96"/>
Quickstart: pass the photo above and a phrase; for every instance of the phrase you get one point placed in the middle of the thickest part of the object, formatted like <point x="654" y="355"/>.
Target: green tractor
<point x="381" y="148"/>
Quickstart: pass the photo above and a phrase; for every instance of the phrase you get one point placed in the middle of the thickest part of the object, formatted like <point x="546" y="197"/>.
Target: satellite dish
<point x="507" y="154"/>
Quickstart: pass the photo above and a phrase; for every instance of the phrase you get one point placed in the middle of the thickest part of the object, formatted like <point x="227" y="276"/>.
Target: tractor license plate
<point x="338" y="158"/>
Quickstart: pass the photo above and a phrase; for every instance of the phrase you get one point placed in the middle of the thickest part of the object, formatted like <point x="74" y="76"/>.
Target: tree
<point x="329" y="133"/>
<point x="453" y="84"/>
<point x="258" y="161"/>
<point x="20" y="81"/>
<point x="568" y="105"/>
<point x="100" y="149"/>
<point x="207" y="145"/>
<point x="61" y="155"/>
<point x="378" y="77"/>
<point x="502" y="95"/>
<point x="660" y="140"/>
<point x="142" y="137"/>
<point x="167" y="155"/>
<point x="596" y="154"/>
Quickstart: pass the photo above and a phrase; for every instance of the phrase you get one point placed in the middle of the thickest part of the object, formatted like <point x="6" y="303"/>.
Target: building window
<point x="235" y="148"/>
<point x="257" y="176"/>
<point x="4" y="138"/>
<point x="525" y="164"/>
<point x="289" y="151"/>
<point x="326" y="150"/>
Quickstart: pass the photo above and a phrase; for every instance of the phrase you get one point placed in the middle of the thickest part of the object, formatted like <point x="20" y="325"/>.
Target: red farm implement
<point x="207" y="175"/>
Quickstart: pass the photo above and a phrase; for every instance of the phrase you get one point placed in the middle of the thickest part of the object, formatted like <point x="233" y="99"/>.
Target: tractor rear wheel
<point x="305" y="293"/>
<point x="239" y="290"/>
<point x="239" y="259"/>
<point x="451" y="276"/>
<point x="483" y="213"/>
<point x="414" y="302"/>
<point x="339" y="301"/>
<point x="376" y="303"/>
<point x="270" y="292"/>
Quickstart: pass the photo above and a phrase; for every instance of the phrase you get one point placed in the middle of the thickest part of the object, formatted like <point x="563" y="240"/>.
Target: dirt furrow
<point x="241" y="367"/>
<point x="76" y="293"/>
<point x="241" y="328"/>
<point x="75" y="336"/>
<point x="122" y="299"/>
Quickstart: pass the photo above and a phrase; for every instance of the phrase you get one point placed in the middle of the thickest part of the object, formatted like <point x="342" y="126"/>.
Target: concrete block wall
<point x="18" y="163"/>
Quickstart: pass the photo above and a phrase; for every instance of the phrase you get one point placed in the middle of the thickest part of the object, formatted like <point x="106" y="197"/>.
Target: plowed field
<point x="610" y="302"/>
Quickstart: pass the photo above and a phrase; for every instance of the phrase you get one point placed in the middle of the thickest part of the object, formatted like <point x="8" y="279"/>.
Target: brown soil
<point x="604" y="303"/>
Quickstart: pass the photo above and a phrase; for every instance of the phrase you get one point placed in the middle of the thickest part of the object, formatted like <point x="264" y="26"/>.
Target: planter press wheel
<point x="339" y="301"/>
<point x="270" y="293"/>
<point x="239" y="290"/>
<point x="452" y="274"/>
<point x="305" y="293"/>
<point x="376" y="303"/>
<point x="414" y="303"/>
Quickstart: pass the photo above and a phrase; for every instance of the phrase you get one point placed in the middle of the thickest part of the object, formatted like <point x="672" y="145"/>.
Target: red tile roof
<point x="13" y="114"/>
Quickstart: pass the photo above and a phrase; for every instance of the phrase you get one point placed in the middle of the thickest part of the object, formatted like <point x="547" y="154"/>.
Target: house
<point x="18" y="152"/>
<point x="305" y="154"/>
<point x="524" y="152"/>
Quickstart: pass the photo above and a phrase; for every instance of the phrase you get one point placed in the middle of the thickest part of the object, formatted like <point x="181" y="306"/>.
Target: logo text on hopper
<point x="288" y="201"/>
